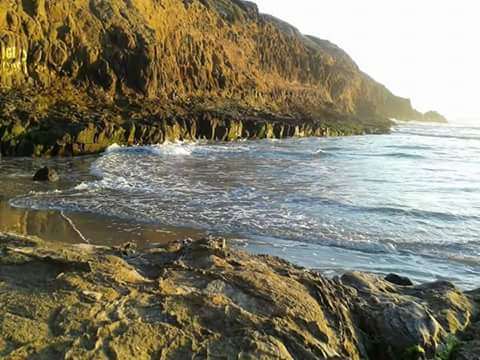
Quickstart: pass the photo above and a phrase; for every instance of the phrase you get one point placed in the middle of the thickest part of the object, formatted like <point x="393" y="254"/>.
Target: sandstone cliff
<point x="114" y="66"/>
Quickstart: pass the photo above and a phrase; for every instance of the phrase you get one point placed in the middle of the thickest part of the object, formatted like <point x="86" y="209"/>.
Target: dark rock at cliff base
<point x="46" y="174"/>
<point x="398" y="280"/>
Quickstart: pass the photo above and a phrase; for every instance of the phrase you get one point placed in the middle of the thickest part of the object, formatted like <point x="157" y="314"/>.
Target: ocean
<point x="407" y="203"/>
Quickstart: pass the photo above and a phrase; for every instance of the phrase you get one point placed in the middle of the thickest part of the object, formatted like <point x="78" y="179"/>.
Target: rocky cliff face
<point x="181" y="56"/>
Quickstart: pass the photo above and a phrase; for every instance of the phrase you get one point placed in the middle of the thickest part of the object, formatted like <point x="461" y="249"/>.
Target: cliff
<point x="77" y="75"/>
<point x="204" y="300"/>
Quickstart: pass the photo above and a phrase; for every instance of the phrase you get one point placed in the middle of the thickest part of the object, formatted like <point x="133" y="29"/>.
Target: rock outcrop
<point x="201" y="299"/>
<point x="80" y="74"/>
<point x="433" y="116"/>
<point x="46" y="174"/>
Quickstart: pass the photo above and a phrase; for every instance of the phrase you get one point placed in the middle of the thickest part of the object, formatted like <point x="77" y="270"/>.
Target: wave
<point x="440" y="136"/>
<point x="419" y="214"/>
<point x="395" y="211"/>
<point x="409" y="147"/>
<point x="323" y="153"/>
<point x="333" y="148"/>
<point x="178" y="148"/>
<point x="113" y="148"/>
<point x="396" y="155"/>
<point x="402" y="155"/>
<point x="182" y="148"/>
<point x="292" y="243"/>
<point x="171" y="149"/>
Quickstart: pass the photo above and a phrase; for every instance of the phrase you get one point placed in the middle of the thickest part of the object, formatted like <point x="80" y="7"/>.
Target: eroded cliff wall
<point x="190" y="54"/>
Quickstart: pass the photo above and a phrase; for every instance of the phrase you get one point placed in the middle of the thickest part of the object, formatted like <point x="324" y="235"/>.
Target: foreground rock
<point x="77" y="75"/>
<point x="204" y="300"/>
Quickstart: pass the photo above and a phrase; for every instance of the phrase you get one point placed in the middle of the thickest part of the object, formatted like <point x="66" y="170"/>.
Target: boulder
<point x="46" y="174"/>
<point x="398" y="280"/>
<point x="407" y="320"/>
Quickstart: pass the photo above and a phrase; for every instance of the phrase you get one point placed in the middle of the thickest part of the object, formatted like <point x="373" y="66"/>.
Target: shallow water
<point x="407" y="202"/>
<point x="64" y="225"/>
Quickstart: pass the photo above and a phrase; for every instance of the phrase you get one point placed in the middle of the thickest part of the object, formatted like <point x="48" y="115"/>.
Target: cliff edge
<point x="79" y="75"/>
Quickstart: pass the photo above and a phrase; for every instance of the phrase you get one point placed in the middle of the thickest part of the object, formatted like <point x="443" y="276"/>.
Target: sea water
<point x="408" y="202"/>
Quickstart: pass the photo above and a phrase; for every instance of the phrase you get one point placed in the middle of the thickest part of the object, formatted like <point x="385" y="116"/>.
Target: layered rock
<point x="204" y="300"/>
<point x="81" y="127"/>
<point x="182" y="56"/>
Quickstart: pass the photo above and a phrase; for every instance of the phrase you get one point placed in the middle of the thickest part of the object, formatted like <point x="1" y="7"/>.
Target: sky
<point x="426" y="50"/>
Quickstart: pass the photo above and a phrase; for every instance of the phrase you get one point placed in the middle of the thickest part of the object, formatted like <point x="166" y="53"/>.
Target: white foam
<point x="178" y="148"/>
<point x="113" y="148"/>
<point x="95" y="170"/>
<point x="167" y="148"/>
<point x="174" y="149"/>
<point x="82" y="186"/>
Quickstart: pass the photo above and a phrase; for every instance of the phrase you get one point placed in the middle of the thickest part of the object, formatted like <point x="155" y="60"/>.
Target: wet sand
<point x="73" y="228"/>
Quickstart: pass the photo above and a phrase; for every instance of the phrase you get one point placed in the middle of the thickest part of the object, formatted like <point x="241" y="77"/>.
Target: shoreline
<point x="78" y="228"/>
<point x="205" y="298"/>
<point x="73" y="228"/>
<point x="107" y="230"/>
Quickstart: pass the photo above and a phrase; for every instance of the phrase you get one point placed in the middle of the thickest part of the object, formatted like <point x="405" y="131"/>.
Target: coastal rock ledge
<point x="203" y="300"/>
